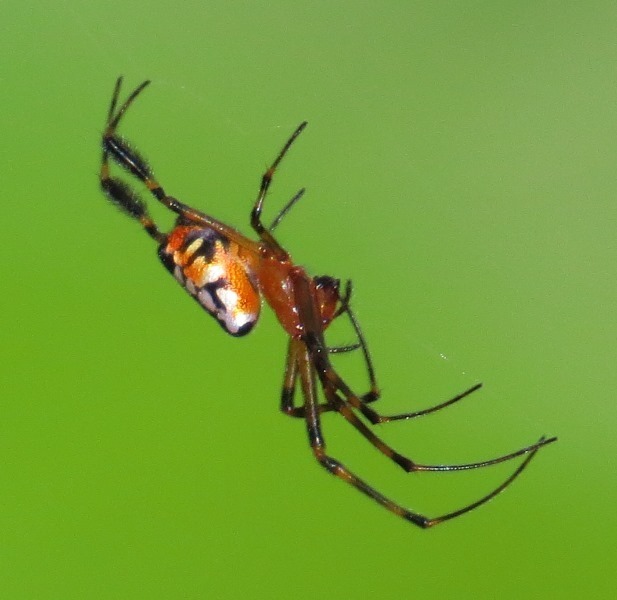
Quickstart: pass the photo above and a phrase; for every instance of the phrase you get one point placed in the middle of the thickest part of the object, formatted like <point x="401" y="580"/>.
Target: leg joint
<point x="332" y="465"/>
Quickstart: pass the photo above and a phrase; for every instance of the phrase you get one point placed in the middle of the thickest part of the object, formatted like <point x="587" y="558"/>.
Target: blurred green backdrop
<point x="460" y="166"/>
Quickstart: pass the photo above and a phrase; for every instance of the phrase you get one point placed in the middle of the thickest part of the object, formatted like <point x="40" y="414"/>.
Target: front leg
<point x="118" y="150"/>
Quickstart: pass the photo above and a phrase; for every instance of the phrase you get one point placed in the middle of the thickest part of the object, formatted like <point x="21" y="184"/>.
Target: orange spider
<point x="228" y="274"/>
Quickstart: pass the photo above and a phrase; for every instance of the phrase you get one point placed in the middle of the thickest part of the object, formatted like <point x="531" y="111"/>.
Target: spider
<point x="228" y="274"/>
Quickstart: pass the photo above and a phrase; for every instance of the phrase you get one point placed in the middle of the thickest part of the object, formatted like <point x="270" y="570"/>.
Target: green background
<point x="460" y="164"/>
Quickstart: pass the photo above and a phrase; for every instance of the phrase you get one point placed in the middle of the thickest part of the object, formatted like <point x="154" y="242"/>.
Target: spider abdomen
<point x="211" y="269"/>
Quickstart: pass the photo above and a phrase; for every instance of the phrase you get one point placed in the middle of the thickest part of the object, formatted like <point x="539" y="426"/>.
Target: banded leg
<point x="374" y="392"/>
<point x="359" y="402"/>
<point x="318" y="446"/>
<point x="346" y="411"/>
<point x="127" y="157"/>
<point x="118" y="192"/>
<point x="121" y="152"/>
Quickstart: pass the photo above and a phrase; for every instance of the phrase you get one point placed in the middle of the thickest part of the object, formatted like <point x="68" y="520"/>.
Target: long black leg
<point x="360" y="402"/>
<point x="332" y="382"/>
<point x="318" y="446"/>
<point x="405" y="463"/>
<point x="283" y="212"/>
<point x="374" y="392"/>
<point x="266" y="179"/>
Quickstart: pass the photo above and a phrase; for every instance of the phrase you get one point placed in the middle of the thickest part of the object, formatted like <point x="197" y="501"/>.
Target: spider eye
<point x="210" y="269"/>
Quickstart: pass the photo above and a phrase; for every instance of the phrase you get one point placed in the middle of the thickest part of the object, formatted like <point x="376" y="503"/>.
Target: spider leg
<point x="374" y="417"/>
<point x="118" y="192"/>
<point x="332" y="382"/>
<point x="266" y="179"/>
<point x="289" y="386"/>
<point x="374" y="392"/>
<point x="291" y="378"/>
<point x="318" y="446"/>
<point x="283" y="212"/>
<point x="122" y="153"/>
<point x="113" y="120"/>
<point x="343" y="349"/>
